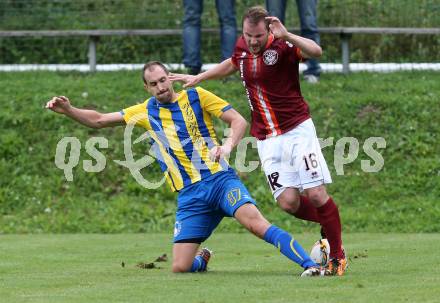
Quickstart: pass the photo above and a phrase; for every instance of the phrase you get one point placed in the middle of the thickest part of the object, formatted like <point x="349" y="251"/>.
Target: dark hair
<point x="255" y="15"/>
<point x="150" y="65"/>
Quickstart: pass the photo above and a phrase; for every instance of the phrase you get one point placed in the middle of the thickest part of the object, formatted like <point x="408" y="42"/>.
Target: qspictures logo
<point x="345" y="151"/>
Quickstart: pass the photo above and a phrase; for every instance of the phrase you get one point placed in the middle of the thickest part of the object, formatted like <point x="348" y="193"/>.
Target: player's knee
<point x="252" y="219"/>
<point x="317" y="195"/>
<point x="179" y="268"/>
<point x="289" y="202"/>
<point x="315" y="199"/>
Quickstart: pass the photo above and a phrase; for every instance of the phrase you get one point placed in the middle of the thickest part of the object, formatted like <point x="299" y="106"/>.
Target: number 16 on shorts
<point x="311" y="167"/>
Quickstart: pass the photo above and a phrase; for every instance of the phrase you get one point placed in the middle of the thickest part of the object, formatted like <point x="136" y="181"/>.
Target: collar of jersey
<point x="169" y="105"/>
<point x="269" y="41"/>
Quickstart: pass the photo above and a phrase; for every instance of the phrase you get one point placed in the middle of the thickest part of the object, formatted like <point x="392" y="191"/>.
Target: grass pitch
<point x="88" y="268"/>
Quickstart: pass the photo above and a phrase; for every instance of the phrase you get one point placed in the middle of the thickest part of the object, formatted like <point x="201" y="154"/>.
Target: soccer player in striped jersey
<point x="181" y="128"/>
<point x="267" y="57"/>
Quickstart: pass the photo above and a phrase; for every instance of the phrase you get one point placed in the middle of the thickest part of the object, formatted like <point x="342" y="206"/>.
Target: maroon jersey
<point x="271" y="80"/>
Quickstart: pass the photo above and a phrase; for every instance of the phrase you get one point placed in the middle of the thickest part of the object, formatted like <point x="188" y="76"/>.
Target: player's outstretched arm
<point x="238" y="128"/>
<point x="90" y="118"/>
<point x="308" y="47"/>
<point x="221" y="70"/>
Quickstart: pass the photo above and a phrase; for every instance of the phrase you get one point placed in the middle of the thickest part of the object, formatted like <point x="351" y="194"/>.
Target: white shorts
<point x="294" y="159"/>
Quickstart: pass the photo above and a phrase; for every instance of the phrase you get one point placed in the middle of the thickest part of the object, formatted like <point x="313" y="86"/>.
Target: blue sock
<point x="199" y="264"/>
<point x="288" y="246"/>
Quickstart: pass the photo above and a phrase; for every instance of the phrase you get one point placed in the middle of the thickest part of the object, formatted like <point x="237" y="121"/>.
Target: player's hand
<point x="218" y="152"/>
<point x="187" y="80"/>
<point x="277" y="28"/>
<point x="60" y="104"/>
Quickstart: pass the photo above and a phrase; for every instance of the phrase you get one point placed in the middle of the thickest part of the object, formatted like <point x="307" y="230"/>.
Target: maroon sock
<point x="306" y="210"/>
<point x="331" y="223"/>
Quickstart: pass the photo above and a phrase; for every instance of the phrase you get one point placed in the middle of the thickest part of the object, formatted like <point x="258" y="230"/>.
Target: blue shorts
<point x="202" y="205"/>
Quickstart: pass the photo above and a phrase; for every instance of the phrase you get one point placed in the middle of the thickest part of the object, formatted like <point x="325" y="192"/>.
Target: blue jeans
<point x="309" y="28"/>
<point x="192" y="25"/>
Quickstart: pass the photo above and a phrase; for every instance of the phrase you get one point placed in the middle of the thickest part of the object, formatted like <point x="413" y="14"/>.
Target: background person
<point x="307" y="13"/>
<point x="193" y="10"/>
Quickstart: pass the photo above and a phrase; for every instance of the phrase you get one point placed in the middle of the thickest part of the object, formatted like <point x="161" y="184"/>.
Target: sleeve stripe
<point x="122" y="112"/>
<point x="229" y="106"/>
<point x="298" y="53"/>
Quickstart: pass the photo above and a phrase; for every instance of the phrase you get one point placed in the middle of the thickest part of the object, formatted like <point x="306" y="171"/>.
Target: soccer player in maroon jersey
<point x="267" y="57"/>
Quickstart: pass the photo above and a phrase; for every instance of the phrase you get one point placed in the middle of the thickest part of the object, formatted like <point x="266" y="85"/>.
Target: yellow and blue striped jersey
<point x="182" y="134"/>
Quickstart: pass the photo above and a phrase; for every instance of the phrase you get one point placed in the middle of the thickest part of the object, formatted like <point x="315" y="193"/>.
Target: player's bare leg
<point x="317" y="195"/>
<point x="188" y="258"/>
<point x="289" y="200"/>
<point x="297" y="205"/>
<point x="251" y="218"/>
<point x="183" y="256"/>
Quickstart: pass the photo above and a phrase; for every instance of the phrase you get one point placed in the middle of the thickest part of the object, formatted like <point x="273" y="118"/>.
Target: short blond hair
<point x="255" y="15"/>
